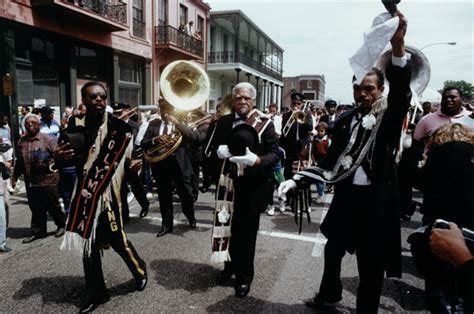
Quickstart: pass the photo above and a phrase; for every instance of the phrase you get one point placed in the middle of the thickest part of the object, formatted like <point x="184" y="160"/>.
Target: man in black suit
<point x="297" y="136"/>
<point x="330" y="117"/>
<point x="175" y="171"/>
<point x="250" y="188"/>
<point x="364" y="214"/>
<point x="122" y="111"/>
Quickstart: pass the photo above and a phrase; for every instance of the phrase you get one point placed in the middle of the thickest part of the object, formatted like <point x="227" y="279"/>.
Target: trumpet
<point x="298" y="116"/>
<point x="128" y="114"/>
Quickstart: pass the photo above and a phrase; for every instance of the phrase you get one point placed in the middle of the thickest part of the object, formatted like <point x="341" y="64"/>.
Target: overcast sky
<point x="318" y="37"/>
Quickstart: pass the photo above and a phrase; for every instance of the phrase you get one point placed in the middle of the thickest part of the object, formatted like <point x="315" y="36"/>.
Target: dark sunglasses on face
<point x="94" y="96"/>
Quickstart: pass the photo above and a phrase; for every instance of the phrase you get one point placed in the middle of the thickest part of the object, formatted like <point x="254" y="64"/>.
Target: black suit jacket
<point x="191" y="138"/>
<point x="289" y="143"/>
<point x="250" y="188"/>
<point x="339" y="223"/>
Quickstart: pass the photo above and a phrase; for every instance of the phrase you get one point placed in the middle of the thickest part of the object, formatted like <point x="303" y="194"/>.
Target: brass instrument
<point x="421" y="70"/>
<point x="298" y="116"/>
<point x="185" y="86"/>
<point x="128" y="114"/>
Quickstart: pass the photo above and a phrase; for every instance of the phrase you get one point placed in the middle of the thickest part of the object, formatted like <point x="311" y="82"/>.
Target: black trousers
<point x="109" y="232"/>
<point x="168" y="175"/>
<point x="43" y="200"/>
<point x="331" y="285"/>
<point x="242" y="245"/>
<point x="136" y="186"/>
<point x="368" y="251"/>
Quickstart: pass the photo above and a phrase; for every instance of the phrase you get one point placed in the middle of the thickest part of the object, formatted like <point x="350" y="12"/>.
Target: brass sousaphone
<point x="184" y="86"/>
<point x="421" y="70"/>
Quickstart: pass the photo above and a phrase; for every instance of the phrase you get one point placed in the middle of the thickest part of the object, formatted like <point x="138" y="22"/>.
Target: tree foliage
<point x="466" y="88"/>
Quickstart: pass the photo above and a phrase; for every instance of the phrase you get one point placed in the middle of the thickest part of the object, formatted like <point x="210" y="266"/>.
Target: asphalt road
<point x="38" y="277"/>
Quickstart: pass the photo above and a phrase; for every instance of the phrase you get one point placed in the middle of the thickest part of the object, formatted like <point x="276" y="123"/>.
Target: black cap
<point x="119" y="106"/>
<point x="330" y="103"/>
<point x="46" y="110"/>
<point x="242" y="136"/>
<point x="297" y="96"/>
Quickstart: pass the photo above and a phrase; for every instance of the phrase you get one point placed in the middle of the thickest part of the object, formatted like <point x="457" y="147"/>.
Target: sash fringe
<point x="220" y="257"/>
<point x="72" y="242"/>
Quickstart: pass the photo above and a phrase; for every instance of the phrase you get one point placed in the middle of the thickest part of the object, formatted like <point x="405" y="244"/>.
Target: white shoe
<point x="282" y="207"/>
<point x="271" y="211"/>
<point x="149" y="195"/>
<point x="319" y="200"/>
<point x="309" y="209"/>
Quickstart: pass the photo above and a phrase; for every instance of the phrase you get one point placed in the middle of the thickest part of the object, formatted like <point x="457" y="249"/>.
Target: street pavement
<point x="38" y="277"/>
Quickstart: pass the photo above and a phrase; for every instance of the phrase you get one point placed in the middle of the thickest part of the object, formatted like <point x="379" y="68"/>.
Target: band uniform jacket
<point x="183" y="153"/>
<point x="250" y="189"/>
<point x="339" y="222"/>
<point x="289" y="143"/>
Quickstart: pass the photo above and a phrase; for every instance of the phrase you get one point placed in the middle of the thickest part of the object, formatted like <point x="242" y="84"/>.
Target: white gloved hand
<point x="284" y="187"/>
<point x="249" y="159"/>
<point x="223" y="152"/>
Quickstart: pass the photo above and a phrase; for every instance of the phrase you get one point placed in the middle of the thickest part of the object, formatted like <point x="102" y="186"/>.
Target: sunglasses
<point x="94" y="96"/>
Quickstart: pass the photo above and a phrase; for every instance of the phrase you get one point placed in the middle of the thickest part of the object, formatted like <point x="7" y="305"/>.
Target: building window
<point x="129" y="95"/>
<point x="200" y="24"/>
<point x="90" y="63"/>
<point x="309" y="84"/>
<point x="183" y="15"/>
<point x="293" y="84"/>
<point x="309" y="95"/>
<point x="162" y="13"/>
<point x="130" y="89"/>
<point x="37" y="83"/>
<point x="138" y="20"/>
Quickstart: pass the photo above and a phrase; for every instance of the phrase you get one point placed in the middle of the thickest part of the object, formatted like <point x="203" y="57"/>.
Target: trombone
<point x="298" y="116"/>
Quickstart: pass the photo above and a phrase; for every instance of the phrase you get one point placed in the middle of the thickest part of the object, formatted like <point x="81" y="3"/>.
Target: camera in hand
<point x="391" y="6"/>
<point x="77" y="142"/>
<point x="467" y="233"/>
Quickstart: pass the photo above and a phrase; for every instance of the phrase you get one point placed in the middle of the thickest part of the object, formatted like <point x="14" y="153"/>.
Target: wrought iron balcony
<point x="170" y="36"/>
<point x="107" y="14"/>
<point x="233" y="57"/>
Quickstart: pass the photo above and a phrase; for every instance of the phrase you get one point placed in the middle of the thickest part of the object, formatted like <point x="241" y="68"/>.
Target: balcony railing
<point x="168" y="35"/>
<point x="113" y="10"/>
<point x="138" y="28"/>
<point x="233" y="57"/>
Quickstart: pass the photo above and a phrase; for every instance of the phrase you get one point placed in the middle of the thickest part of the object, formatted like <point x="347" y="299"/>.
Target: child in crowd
<point x="275" y="181"/>
<point x="320" y="145"/>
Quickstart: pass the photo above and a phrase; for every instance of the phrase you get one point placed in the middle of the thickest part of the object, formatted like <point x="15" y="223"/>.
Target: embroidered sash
<point x="101" y="167"/>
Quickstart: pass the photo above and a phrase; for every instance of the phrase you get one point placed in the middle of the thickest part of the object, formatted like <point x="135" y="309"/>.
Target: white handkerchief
<point x="375" y="41"/>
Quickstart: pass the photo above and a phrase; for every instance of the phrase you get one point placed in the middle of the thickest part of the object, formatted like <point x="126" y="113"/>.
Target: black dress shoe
<point x="192" y="223"/>
<point x="144" y="212"/>
<point x="33" y="238"/>
<point x="91" y="305"/>
<point x="141" y="282"/>
<point x="223" y="277"/>
<point x="320" y="301"/>
<point x="60" y="232"/>
<point x="242" y="290"/>
<point x="163" y="231"/>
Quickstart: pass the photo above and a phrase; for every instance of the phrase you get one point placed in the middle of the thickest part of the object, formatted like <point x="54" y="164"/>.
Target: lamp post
<point x="434" y="44"/>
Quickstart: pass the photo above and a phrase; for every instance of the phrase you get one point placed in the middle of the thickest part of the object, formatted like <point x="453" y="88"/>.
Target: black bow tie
<point x="239" y="118"/>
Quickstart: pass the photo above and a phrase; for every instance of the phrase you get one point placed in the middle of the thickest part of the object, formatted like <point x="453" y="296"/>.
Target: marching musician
<point x="249" y="189"/>
<point x="174" y="171"/>
<point x="364" y="214"/>
<point x="298" y="135"/>
<point x="123" y="112"/>
<point x="100" y="146"/>
<point x="331" y="115"/>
